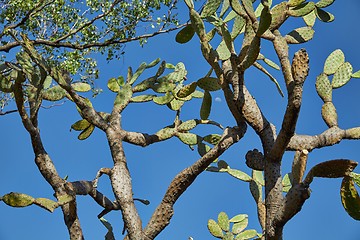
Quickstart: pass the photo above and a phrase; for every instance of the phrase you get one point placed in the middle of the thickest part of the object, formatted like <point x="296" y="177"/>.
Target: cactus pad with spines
<point x="142" y="98"/>
<point x="210" y="8"/>
<point x="175" y="104"/>
<point x="342" y="75"/>
<point x="248" y="6"/>
<point x="185" y="34"/>
<point x="189" y="138"/>
<point x="165" y="133"/>
<point x="302" y="9"/>
<point x="300" y="35"/>
<point x="353" y="132"/>
<point x="279" y="15"/>
<point x="223" y="221"/>
<point x="206" y="106"/>
<point x="187" y="90"/>
<point x="86" y="133"/>
<point x="137" y="73"/>
<point x="209" y="84"/>
<point x="55" y="93"/>
<point x="350" y="198"/>
<point x="334" y="61"/>
<point x="161" y="100"/>
<point x="294" y="3"/>
<point x="215" y="229"/>
<point x="212" y="138"/>
<point x="328" y="113"/>
<point x="80" y="125"/>
<point x="323" y="87"/>
<point x="187" y="125"/>
<point x="81" y="87"/>
<point x="310" y="19"/>
<point x="324" y="16"/>
<point x="324" y="3"/>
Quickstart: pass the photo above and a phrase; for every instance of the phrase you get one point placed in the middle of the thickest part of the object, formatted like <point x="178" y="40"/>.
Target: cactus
<point x="302" y="9"/>
<point x="86" y="133"/>
<point x="115" y="83"/>
<point x="265" y="21"/>
<point x="237" y="7"/>
<point x="212" y="138"/>
<point x="353" y="132"/>
<point x="137" y="73"/>
<point x="80" y="125"/>
<point x="294" y="3"/>
<point x="239" y="174"/>
<point x="165" y="133"/>
<point x="300" y="35"/>
<point x="238" y="27"/>
<point x="210" y="8"/>
<point x="187" y="90"/>
<point x="189" y="138"/>
<point x="161" y="100"/>
<point x="5" y="84"/>
<point x="323" y="15"/>
<point x="205" y="106"/>
<point x="209" y="84"/>
<point x="334" y="61"/>
<point x="342" y="75"/>
<point x="81" y="87"/>
<point x="215" y="229"/>
<point x="55" y="93"/>
<point x="188" y="125"/>
<point x="310" y="19"/>
<point x="323" y="87"/>
<point x="175" y="104"/>
<point x="248" y="6"/>
<point x="350" y="198"/>
<point x="123" y="97"/>
<point x="185" y="34"/>
<point x="142" y="98"/>
<point x="223" y="51"/>
<point x="279" y="15"/>
<point x="328" y="113"/>
<point x="324" y="3"/>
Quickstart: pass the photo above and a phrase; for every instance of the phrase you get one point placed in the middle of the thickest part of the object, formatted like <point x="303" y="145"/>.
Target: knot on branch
<point x="255" y="160"/>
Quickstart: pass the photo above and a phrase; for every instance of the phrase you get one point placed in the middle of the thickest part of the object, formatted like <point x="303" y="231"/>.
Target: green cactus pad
<point x="203" y="148"/>
<point x="153" y="63"/>
<point x="302" y="9"/>
<point x="223" y="221"/>
<point x="324" y="16"/>
<point x="137" y="73"/>
<point x="232" y="14"/>
<point x="324" y="3"/>
<point x="185" y="34"/>
<point x="279" y="15"/>
<point x="294" y="3"/>
<point x="328" y="113"/>
<point x="206" y="106"/>
<point x="55" y="93"/>
<point x="332" y="169"/>
<point x="286" y="183"/>
<point x="251" y="54"/>
<point x="161" y="100"/>
<point x="144" y="85"/>
<point x="46" y="203"/>
<point x="17" y="199"/>
<point x="247" y="234"/>
<point x="334" y="61"/>
<point x="187" y="125"/>
<point x="142" y="98"/>
<point x="238" y="27"/>
<point x="215" y="229"/>
<point x="256" y="190"/>
<point x="163" y="86"/>
<point x="187" y="90"/>
<point x="268" y="62"/>
<point x="240" y="225"/>
<point x="212" y="138"/>
<point x="258" y="177"/>
<point x="123" y="97"/>
<point x="165" y="133"/>
<point x="25" y="62"/>
<point x="198" y="24"/>
<point x="197" y="94"/>
<point x="189" y="138"/>
<point x="310" y="19"/>
<point x="350" y="198"/>
<point x="80" y="125"/>
<point x="210" y="8"/>
<point x="86" y="133"/>
<point x="342" y="75"/>
<point x="265" y="21"/>
<point x="300" y="35"/>
<point x="81" y="87"/>
<point x="223" y="51"/>
<point x="238" y="218"/>
<point x="239" y="175"/>
<point x="209" y="84"/>
<point x="237" y="7"/>
<point x="323" y="87"/>
<point x="113" y="85"/>
<point x="175" y="104"/>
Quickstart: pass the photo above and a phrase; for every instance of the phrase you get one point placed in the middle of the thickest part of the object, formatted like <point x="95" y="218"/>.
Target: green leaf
<point x="342" y="75"/>
<point x="239" y="175"/>
<point x="334" y="61"/>
<point x="300" y="35"/>
<point x="17" y="199"/>
<point x="206" y="106"/>
<point x="223" y="221"/>
<point x="185" y="34"/>
<point x="215" y="229"/>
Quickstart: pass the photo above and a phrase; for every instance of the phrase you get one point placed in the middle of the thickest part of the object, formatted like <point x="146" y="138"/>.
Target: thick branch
<point x="163" y="213"/>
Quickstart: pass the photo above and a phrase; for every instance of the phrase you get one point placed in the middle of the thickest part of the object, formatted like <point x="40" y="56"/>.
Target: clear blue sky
<point x="152" y="168"/>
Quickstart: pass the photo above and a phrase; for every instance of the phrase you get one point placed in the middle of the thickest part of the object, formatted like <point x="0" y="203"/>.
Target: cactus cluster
<point x="222" y="229"/>
<point x="341" y="73"/>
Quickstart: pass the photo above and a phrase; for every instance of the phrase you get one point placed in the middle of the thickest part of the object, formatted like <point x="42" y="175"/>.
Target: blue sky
<point x="152" y="168"/>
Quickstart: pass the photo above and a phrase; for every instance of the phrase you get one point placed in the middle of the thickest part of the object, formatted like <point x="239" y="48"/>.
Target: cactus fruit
<point x="328" y="113"/>
<point x="323" y="87"/>
<point x="185" y="34"/>
<point x="350" y="198"/>
<point x="334" y="61"/>
<point x="209" y="84"/>
<point x="300" y="35"/>
<point x="342" y="75"/>
<point x="206" y="106"/>
<point x="302" y="9"/>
